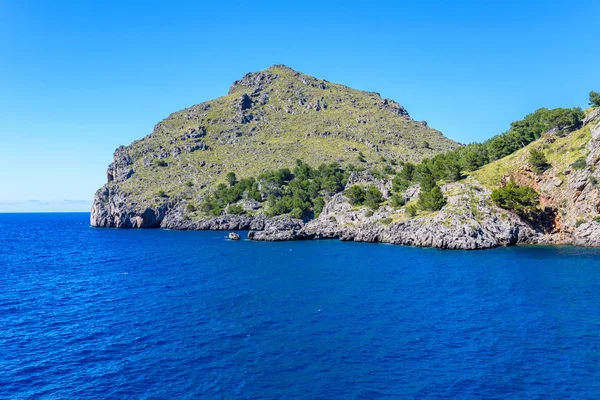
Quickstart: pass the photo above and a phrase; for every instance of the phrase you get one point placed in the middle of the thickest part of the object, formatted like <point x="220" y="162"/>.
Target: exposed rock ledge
<point x="467" y="222"/>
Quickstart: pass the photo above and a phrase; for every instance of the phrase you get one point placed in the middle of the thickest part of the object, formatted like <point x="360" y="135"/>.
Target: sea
<point x="93" y="313"/>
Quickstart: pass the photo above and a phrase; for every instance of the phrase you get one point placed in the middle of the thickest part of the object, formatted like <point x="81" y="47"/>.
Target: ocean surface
<point x="89" y="313"/>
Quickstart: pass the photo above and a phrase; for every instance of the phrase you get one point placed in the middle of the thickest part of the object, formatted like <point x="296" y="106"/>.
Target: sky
<point x="78" y="79"/>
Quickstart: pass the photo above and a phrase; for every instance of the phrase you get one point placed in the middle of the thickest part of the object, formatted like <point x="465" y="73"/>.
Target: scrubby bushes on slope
<point x="519" y="199"/>
<point x="298" y="192"/>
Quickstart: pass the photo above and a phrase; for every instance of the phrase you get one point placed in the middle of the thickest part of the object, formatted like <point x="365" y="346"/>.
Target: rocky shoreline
<point x="459" y="231"/>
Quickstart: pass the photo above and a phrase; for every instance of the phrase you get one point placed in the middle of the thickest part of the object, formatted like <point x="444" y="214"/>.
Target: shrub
<point x="580" y="163"/>
<point x="385" y="221"/>
<point x="373" y="197"/>
<point x="388" y="170"/>
<point x="397" y="200"/>
<point x="579" y="222"/>
<point x="594" y="99"/>
<point x="190" y="207"/>
<point x="411" y="210"/>
<point x="403" y="179"/>
<point x="318" y="204"/>
<point x="189" y="184"/>
<point x="162" y="193"/>
<point x="432" y="199"/>
<point x="520" y="199"/>
<point x="297" y="213"/>
<point x="538" y="161"/>
<point x="596" y="218"/>
<point x="356" y="195"/>
<point x="235" y="209"/>
<point x="361" y="157"/>
<point x="231" y="178"/>
<point x="210" y="206"/>
<point x="161" y="163"/>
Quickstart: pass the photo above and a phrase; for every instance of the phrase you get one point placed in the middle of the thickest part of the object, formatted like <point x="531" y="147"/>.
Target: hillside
<point x="266" y="121"/>
<point x="564" y="200"/>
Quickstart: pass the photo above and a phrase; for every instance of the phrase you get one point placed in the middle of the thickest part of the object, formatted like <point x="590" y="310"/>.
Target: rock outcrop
<point x="467" y="222"/>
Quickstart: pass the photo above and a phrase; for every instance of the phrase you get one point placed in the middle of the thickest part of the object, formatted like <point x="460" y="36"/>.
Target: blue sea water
<point x="156" y="314"/>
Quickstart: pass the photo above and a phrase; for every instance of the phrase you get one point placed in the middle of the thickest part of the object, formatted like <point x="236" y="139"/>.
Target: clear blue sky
<point x="79" y="78"/>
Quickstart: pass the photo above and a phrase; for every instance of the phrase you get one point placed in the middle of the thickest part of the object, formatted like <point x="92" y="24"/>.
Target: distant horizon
<point x="82" y="79"/>
<point x="49" y="206"/>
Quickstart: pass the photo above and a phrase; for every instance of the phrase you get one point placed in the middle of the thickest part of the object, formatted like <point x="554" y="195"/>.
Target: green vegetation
<point x="538" y="161"/>
<point x="519" y="199"/>
<point x="190" y="208"/>
<point x="430" y="196"/>
<point x="373" y="198"/>
<point x="411" y="210"/>
<point x="358" y="196"/>
<point x="580" y="163"/>
<point x="594" y="99"/>
<point x="449" y="166"/>
<point x="397" y="200"/>
<point x="235" y="209"/>
<point x="298" y="193"/>
<point x="404" y="178"/>
<point x="231" y="178"/>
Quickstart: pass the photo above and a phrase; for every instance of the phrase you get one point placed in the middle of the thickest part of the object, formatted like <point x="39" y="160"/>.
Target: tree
<point x="411" y="210"/>
<point x="231" y="178"/>
<point x="520" y="199"/>
<point x="318" y="204"/>
<point x="356" y="195"/>
<point x="403" y="179"/>
<point x="373" y="197"/>
<point x="235" y="209"/>
<point x="430" y="197"/>
<point x="297" y="213"/>
<point x="538" y="161"/>
<point x="453" y="171"/>
<point x="397" y="200"/>
<point x="594" y="99"/>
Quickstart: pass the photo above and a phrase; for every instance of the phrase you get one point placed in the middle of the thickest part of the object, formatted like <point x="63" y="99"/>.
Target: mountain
<point x="292" y="157"/>
<point x="266" y="121"/>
